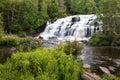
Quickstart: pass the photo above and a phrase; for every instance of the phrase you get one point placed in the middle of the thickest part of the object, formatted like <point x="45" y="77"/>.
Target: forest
<point x="22" y="20"/>
<point x="25" y="17"/>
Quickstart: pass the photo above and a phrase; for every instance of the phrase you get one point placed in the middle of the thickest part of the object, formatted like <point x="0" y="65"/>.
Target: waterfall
<point x="78" y="27"/>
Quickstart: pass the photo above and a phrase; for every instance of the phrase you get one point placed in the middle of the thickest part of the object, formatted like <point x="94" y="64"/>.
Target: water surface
<point x="102" y="56"/>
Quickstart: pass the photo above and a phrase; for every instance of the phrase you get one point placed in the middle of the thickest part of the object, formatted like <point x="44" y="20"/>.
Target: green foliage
<point x="9" y="40"/>
<point x="97" y="40"/>
<point x="116" y="41"/>
<point x="73" y="48"/>
<point x="110" y="36"/>
<point x="101" y="39"/>
<point x="40" y="64"/>
<point x="81" y="6"/>
<point x="25" y="16"/>
<point x="1" y="27"/>
<point x="110" y="10"/>
<point x="53" y="7"/>
<point x="13" y="40"/>
<point x="109" y="78"/>
<point x="20" y="15"/>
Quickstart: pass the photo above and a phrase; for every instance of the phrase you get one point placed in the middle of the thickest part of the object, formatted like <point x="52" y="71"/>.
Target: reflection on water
<point x="102" y="56"/>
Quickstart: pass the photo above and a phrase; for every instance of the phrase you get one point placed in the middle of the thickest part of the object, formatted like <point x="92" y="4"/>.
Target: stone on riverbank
<point x="105" y="70"/>
<point x="86" y="66"/>
<point x="90" y="76"/>
<point x="13" y="49"/>
<point x="112" y="69"/>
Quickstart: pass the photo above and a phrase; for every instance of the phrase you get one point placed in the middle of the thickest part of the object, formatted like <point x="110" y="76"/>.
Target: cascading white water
<point x="78" y="27"/>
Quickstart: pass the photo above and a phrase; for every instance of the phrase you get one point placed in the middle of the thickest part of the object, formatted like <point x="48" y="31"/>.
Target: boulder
<point x="13" y="49"/>
<point x="107" y="72"/>
<point x="112" y="69"/>
<point x="40" y="37"/>
<point x="52" y="38"/>
<point x="104" y="70"/>
<point x="86" y="66"/>
<point x="90" y="76"/>
<point x="75" y="19"/>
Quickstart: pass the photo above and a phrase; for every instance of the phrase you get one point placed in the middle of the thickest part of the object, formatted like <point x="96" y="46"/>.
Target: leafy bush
<point x="99" y="39"/>
<point x="110" y="78"/>
<point x="13" y="40"/>
<point x="116" y="41"/>
<point x="26" y="40"/>
<point x="9" y="40"/>
<point x="73" y="48"/>
<point x="1" y="25"/>
<point x="40" y="64"/>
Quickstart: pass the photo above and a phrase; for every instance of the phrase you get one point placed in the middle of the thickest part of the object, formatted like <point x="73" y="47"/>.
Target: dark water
<point x="102" y="56"/>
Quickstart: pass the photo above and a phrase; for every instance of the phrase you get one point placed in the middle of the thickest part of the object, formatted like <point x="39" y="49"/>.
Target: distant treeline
<point x="25" y="16"/>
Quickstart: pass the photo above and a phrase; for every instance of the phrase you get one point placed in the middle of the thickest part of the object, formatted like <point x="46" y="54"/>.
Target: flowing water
<point x="81" y="27"/>
<point x="78" y="27"/>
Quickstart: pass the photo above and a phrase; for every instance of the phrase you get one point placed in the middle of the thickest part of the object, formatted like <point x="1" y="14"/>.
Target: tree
<point x="53" y="9"/>
<point x="81" y="6"/>
<point x="1" y="26"/>
<point x="20" y="15"/>
<point x="109" y="14"/>
<point x="110" y="10"/>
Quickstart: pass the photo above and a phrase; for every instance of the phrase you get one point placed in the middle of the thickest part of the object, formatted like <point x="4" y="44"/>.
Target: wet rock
<point x="112" y="69"/>
<point x="75" y="19"/>
<point x="26" y="44"/>
<point x="49" y="43"/>
<point x="90" y="76"/>
<point x="105" y="70"/>
<point x="86" y="66"/>
<point x="52" y="38"/>
<point x="13" y="49"/>
<point x="40" y="37"/>
<point x="34" y="44"/>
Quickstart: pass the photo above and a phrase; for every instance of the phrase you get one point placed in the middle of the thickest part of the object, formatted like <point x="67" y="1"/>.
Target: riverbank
<point x="102" y="56"/>
<point x="93" y="56"/>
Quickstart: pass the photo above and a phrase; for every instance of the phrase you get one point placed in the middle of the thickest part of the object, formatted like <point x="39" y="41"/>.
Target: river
<point x="102" y="56"/>
<point x="94" y="56"/>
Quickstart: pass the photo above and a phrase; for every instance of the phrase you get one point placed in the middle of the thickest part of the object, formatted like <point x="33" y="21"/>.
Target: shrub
<point x="40" y="64"/>
<point x="116" y="40"/>
<point x="25" y="40"/>
<point x="99" y="39"/>
<point x="110" y="78"/>
<point x="1" y="25"/>
<point x="13" y="40"/>
<point x="73" y="48"/>
<point x="9" y="41"/>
